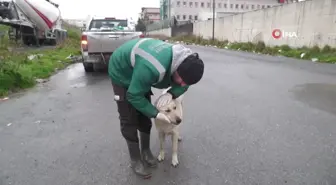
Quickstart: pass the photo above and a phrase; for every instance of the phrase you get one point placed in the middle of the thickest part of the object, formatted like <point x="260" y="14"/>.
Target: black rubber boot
<point x="147" y="155"/>
<point x="137" y="164"/>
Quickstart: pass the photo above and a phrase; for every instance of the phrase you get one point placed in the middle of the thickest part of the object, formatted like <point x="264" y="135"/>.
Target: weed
<point x="18" y="72"/>
<point x="325" y="55"/>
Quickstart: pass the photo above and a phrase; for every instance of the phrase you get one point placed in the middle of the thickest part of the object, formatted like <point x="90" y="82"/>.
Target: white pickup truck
<point x="101" y="37"/>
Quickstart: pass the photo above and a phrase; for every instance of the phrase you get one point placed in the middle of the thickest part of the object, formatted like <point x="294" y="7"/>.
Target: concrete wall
<point x="313" y="21"/>
<point x="160" y="33"/>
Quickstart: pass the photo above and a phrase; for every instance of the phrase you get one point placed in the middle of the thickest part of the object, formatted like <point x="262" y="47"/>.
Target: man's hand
<point x="164" y="99"/>
<point x="162" y="117"/>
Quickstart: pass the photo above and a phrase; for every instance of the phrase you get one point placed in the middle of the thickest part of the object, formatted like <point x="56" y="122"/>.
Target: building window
<point x="252" y="7"/>
<point x="178" y="17"/>
<point x="178" y="3"/>
<point x="263" y="6"/>
<point x="190" y="17"/>
<point x="190" y="4"/>
<point x="184" y="17"/>
<point x="196" y="4"/>
<point x="196" y="17"/>
<point x="247" y="7"/>
<point x="202" y="5"/>
<point x="242" y="6"/>
<point x="231" y="6"/>
<point x="237" y="6"/>
<point x="258" y="6"/>
<point x="184" y="3"/>
<point x="224" y="5"/>
<point x="268" y="6"/>
<point x="219" y="5"/>
<point x="209" y="5"/>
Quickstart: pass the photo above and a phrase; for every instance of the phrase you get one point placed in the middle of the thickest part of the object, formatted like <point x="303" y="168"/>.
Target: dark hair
<point x="191" y="69"/>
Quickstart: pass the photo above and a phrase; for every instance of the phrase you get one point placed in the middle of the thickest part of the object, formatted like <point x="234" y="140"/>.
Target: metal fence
<point x="162" y="24"/>
<point x="182" y="29"/>
<point x="178" y="28"/>
<point x="168" y="23"/>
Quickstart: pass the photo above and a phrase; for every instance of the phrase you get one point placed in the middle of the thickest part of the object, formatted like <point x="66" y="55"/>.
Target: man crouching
<point x="134" y="68"/>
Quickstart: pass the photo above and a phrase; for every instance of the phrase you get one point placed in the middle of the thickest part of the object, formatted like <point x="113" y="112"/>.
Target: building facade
<point x="194" y="10"/>
<point x="150" y="14"/>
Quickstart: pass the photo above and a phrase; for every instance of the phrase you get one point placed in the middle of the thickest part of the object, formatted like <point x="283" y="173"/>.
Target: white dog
<point x="174" y="112"/>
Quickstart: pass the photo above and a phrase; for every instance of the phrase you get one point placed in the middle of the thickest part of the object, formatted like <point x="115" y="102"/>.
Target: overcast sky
<point x="80" y="9"/>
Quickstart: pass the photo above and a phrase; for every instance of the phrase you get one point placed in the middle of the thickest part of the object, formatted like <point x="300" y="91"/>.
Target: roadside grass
<point x="326" y="54"/>
<point x="20" y="70"/>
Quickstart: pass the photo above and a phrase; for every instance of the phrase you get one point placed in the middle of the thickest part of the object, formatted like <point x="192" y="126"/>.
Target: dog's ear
<point x="165" y="90"/>
<point x="156" y="102"/>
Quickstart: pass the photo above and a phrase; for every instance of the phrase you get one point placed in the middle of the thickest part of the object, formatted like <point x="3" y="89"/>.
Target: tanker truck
<point x="34" y="22"/>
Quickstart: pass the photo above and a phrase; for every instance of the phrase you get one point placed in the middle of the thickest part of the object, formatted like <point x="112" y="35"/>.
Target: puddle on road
<point x="76" y="77"/>
<point x="78" y="85"/>
<point x="74" y="72"/>
<point x="317" y="95"/>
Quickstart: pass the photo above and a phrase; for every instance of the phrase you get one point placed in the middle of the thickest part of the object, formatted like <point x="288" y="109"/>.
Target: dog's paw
<point x="175" y="161"/>
<point x="161" y="156"/>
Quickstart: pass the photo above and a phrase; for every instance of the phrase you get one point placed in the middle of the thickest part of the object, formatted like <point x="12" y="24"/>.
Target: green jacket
<point x="140" y="64"/>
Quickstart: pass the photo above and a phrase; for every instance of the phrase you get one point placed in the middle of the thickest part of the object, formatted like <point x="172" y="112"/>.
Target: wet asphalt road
<point x="251" y="120"/>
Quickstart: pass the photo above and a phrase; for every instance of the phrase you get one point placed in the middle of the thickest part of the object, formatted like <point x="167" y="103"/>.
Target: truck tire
<point x="25" y="41"/>
<point x="57" y="39"/>
<point x="42" y="41"/>
<point x="53" y="42"/>
<point x="88" y="67"/>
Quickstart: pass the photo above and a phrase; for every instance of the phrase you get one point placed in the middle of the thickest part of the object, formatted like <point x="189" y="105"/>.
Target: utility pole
<point x="213" y="18"/>
<point x="169" y="4"/>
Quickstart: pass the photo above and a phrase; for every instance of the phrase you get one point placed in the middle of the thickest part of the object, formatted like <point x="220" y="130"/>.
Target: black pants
<point x="131" y="119"/>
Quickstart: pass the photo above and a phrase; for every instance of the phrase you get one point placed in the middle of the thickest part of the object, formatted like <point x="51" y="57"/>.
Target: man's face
<point x="178" y="80"/>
